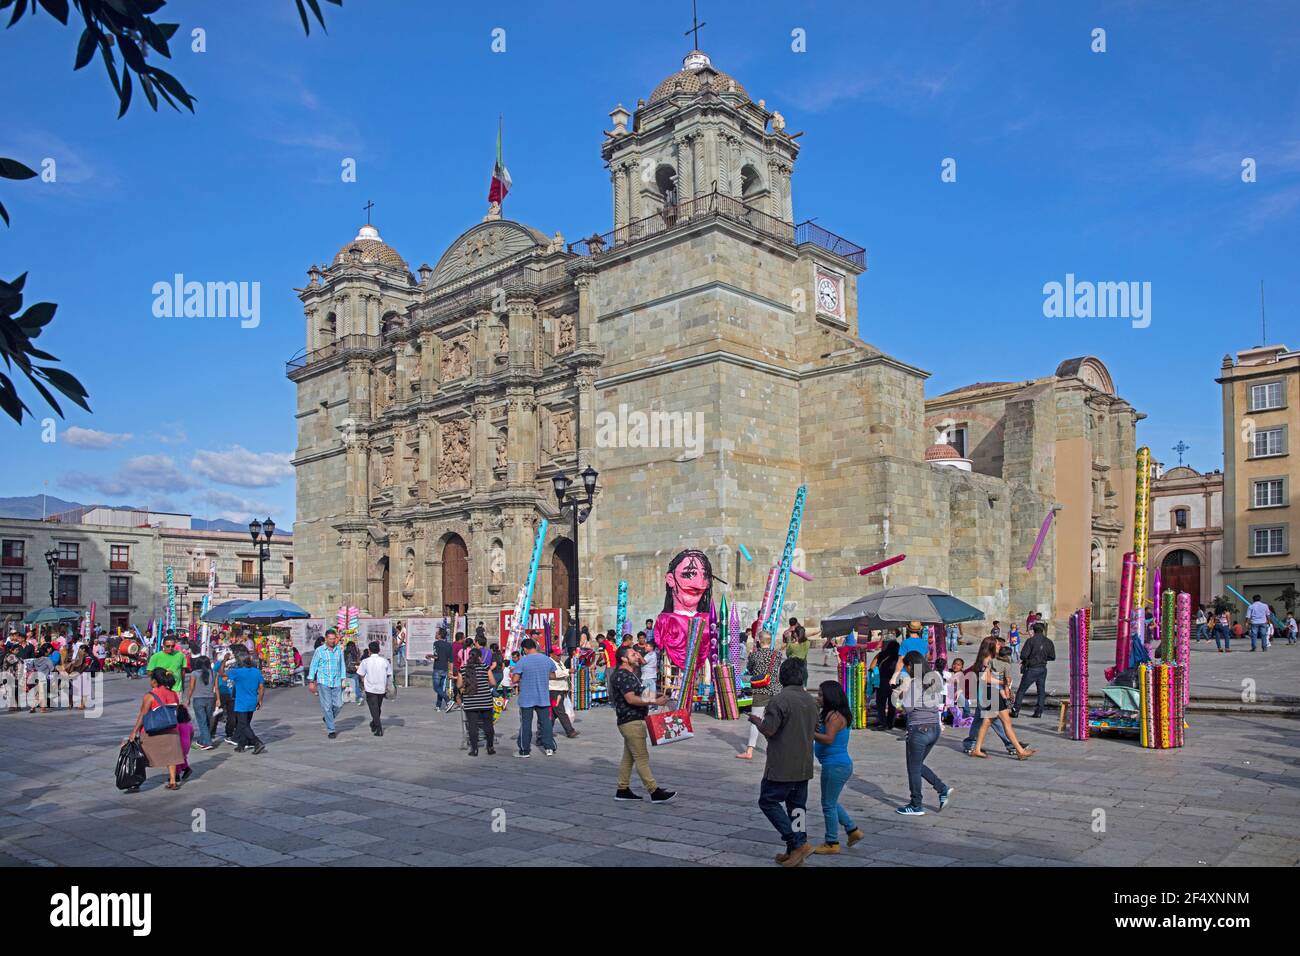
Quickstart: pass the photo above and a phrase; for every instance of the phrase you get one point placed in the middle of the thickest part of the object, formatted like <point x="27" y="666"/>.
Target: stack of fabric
<point x="1161" y="689"/>
<point x="726" y="706"/>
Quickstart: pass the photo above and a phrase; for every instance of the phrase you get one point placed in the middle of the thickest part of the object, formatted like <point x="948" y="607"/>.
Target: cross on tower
<point x="1181" y="447"/>
<point x="696" y="25"/>
<point x="370" y="204"/>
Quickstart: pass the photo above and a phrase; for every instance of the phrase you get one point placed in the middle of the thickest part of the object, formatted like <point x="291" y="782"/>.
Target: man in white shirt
<point x="649" y="664"/>
<point x="1257" y="616"/>
<point x="374" y="672"/>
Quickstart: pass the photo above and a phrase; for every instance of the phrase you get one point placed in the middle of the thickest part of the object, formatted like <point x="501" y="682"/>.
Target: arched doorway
<point x="383" y="588"/>
<point x="564" y="579"/>
<point x="455" y="573"/>
<point x="1181" y="571"/>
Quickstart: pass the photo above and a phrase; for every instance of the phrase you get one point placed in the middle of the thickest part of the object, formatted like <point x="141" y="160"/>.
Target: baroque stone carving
<point x="455" y="359"/>
<point x="564" y="340"/>
<point x="454" y="460"/>
<point x="408" y="573"/>
<point x="502" y="449"/>
<point x="497" y="564"/>
<point x="562" y="432"/>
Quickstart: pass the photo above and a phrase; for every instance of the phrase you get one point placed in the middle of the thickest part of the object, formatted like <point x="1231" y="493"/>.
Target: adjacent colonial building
<point x="1187" y="532"/>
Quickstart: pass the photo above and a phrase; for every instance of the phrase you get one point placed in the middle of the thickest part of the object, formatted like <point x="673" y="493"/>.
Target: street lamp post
<point x="581" y="508"/>
<point x="52" y="562"/>
<point x="266" y="528"/>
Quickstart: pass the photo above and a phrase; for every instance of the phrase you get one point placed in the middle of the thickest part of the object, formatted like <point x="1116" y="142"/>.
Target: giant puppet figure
<point x="688" y="593"/>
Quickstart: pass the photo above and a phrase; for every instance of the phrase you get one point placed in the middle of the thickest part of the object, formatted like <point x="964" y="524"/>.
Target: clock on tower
<point x="830" y="294"/>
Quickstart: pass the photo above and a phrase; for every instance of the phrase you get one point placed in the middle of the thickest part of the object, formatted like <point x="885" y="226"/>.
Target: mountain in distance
<point x="30" y="507"/>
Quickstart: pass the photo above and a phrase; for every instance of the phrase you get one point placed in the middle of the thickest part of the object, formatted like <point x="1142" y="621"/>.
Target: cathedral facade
<point x="702" y="356"/>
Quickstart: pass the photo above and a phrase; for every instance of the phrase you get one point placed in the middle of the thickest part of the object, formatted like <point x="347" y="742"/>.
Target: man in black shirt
<point x="441" y="667"/>
<point x="631" y="709"/>
<point x="1034" y="657"/>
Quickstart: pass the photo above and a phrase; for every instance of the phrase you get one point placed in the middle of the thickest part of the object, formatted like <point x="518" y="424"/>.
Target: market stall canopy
<point x="220" y="613"/>
<point x="51" y="615"/>
<point x="268" y="612"/>
<point x="895" y="607"/>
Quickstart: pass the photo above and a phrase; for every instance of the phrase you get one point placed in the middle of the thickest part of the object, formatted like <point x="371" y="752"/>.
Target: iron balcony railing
<point x="340" y="346"/>
<point x="713" y="205"/>
<point x="811" y="232"/>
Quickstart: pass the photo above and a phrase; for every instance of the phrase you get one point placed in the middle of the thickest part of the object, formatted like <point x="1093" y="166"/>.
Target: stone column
<point x="523" y="320"/>
<point x="586" y="430"/>
<point x="521" y="436"/>
<point x="372" y="314"/>
<point x="634" y="189"/>
<point x="428" y="363"/>
<point x="481" y="475"/>
<point x="616" y="185"/>
<point x="685" y="169"/>
<point x="582" y="279"/>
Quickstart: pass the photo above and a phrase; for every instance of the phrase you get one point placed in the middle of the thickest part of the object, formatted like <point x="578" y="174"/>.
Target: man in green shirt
<point x="169" y="659"/>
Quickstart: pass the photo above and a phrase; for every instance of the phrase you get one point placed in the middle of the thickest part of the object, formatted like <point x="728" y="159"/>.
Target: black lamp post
<point x="256" y="528"/>
<point x="581" y="507"/>
<point x="52" y="561"/>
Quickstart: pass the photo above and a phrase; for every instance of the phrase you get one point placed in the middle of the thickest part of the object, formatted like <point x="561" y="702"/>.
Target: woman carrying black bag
<point x="157" y="719"/>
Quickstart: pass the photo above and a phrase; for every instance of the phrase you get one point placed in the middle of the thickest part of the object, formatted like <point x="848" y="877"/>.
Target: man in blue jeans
<point x="1257" y="616"/>
<point x="325" y="679"/>
<point x="533" y="672"/>
<point x="977" y="692"/>
<point x="442" y="651"/>
<point x="788" y="722"/>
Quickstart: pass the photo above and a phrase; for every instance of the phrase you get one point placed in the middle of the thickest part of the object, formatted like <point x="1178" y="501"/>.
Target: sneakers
<point x="946" y="796"/>
<point x="472" y="753"/>
<point x="185" y="774"/>
<point x="626" y="795"/>
<point x="491" y="751"/>
<point x="661" y="795"/>
<point x="232" y="741"/>
<point x="332" y="735"/>
<point x="205" y="746"/>
<point x="549" y="753"/>
<point x="910" y="811"/>
<point x="574" y="734"/>
<point x="260" y="749"/>
<point x="798" y="855"/>
<point x="239" y="748"/>
<point x="522" y="754"/>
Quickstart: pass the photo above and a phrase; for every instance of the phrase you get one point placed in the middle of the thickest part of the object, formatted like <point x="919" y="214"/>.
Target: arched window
<point x="751" y="184"/>
<point x="666" y="183"/>
<point x="329" y="328"/>
<point x="1180" y="517"/>
<point x="390" y="323"/>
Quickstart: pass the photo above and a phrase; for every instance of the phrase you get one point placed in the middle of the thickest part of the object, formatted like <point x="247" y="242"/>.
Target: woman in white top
<point x="374" y="672"/>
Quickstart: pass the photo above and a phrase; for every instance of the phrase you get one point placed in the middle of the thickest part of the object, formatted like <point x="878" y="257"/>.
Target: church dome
<point x="696" y="74"/>
<point x="371" y="249"/>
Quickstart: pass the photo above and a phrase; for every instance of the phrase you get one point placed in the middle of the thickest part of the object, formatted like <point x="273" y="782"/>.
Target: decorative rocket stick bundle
<point x="523" y="607"/>
<point x="769" y="591"/>
<point x="1141" y="525"/>
<point x="1123" y="629"/>
<point x="621" y="623"/>
<point x="787" y="556"/>
<point x="1156" y="605"/>
<point x="1168" y="629"/>
<point x="1183" y="647"/>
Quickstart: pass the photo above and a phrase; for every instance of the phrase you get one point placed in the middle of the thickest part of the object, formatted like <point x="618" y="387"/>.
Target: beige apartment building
<point x="1261" y="397"/>
<point x="117" y="558"/>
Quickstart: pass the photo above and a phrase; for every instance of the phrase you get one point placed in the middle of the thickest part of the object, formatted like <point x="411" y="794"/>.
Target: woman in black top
<point x="476" y="682"/>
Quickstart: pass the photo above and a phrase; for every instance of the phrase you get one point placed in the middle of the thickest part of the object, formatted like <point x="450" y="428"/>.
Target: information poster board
<point x="377" y="629"/>
<point x="421" y="632"/>
<point x="304" y="632"/>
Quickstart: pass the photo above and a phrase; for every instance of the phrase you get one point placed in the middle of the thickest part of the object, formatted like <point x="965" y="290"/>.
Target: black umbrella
<point x="896" y="607"/>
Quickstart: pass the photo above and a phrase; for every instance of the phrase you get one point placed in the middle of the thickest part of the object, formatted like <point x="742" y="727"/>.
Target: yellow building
<point x="1261" y="399"/>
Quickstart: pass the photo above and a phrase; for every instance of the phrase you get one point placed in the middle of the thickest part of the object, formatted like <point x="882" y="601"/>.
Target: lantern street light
<point x="256" y="528"/>
<point x="52" y="562"/>
<point x="568" y="497"/>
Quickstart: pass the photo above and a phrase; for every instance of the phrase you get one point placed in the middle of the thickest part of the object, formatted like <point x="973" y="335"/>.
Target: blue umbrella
<point x="51" y="615"/>
<point x="220" y="613"/>
<point x="268" y="612"/>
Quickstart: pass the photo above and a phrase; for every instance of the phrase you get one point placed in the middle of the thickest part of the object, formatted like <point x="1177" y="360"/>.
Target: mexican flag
<point x="500" y="175"/>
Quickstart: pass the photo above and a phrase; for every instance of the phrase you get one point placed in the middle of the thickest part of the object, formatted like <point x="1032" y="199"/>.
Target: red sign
<point x="536" y="617"/>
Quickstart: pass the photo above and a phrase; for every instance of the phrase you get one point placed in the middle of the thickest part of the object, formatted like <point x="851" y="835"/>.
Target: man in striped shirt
<point x="325" y="679"/>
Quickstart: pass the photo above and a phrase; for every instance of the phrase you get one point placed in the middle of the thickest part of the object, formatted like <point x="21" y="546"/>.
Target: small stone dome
<point x="371" y="249"/>
<point x="940" y="451"/>
<point x="696" y="73"/>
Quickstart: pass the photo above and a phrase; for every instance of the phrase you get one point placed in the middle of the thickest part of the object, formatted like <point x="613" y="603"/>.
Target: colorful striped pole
<point x="791" y="537"/>
<point x="524" y="606"/>
<point x="1141" y="525"/>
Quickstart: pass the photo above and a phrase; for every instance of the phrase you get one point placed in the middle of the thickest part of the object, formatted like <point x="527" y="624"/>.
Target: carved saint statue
<point x="497" y="564"/>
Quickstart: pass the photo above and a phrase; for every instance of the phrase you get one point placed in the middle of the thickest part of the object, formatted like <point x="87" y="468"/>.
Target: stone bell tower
<point x="699" y="133"/>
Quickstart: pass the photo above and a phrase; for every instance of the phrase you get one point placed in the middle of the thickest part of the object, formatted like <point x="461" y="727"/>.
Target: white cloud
<point x="90" y="438"/>
<point x="174" y="435"/>
<point x="143" y="473"/>
<point x="245" y="469"/>
<point x="233" y="507"/>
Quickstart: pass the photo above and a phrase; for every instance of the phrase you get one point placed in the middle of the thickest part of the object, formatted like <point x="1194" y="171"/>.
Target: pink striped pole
<point x="1122" y="635"/>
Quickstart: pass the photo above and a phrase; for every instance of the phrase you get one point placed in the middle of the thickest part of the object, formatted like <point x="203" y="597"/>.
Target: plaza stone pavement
<point x="413" y="797"/>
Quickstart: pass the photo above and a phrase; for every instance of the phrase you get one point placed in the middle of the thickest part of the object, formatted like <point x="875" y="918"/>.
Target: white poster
<point x="378" y="630"/>
<point x="421" y="632"/>
<point x="305" y="631"/>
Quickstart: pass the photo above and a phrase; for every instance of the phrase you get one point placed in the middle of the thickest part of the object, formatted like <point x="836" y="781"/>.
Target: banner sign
<point x="535" y="618"/>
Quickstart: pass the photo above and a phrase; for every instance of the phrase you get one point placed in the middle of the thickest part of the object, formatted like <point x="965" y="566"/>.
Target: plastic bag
<point x="131" y="765"/>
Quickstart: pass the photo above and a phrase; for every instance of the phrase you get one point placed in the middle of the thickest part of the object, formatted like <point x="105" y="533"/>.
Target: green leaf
<point x="4" y="213"/>
<point x="10" y="402"/>
<point x="57" y="9"/>
<point x="85" y="48"/>
<point x="170" y="84"/>
<point x="12" y="169"/>
<point x="36" y="318"/>
<point x="302" y="13"/>
<point x="66" y="383"/>
<point x="18" y="12"/>
<point x="125" y="94"/>
<point x="45" y="394"/>
<point x="131" y="54"/>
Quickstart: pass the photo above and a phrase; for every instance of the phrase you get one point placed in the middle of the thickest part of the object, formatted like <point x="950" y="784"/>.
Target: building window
<point x="11" y="589"/>
<point x="1269" y="493"/>
<point x="1269" y="441"/>
<point x="246" y="568"/>
<point x="957" y="440"/>
<point x="69" y="588"/>
<point x="12" y="553"/>
<point x="1266" y="396"/>
<point x="1268" y="541"/>
<point x="1180" y="519"/>
<point x="119" y="557"/>
<point x="69" y="554"/>
<point x="119" y="589"/>
<point x="118" y="621"/>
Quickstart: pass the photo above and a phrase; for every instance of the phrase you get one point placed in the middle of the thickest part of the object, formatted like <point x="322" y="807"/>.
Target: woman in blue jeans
<point x="918" y="689"/>
<point x="831" y="748"/>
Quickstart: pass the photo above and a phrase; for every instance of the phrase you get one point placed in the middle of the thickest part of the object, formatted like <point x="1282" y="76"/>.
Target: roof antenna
<point x="1263" y="325"/>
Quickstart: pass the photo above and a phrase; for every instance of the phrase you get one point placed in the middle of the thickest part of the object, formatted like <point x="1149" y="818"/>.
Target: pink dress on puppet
<point x="671" y="631"/>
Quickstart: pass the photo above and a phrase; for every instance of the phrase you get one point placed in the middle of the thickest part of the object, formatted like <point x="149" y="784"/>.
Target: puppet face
<point x="687" y="582"/>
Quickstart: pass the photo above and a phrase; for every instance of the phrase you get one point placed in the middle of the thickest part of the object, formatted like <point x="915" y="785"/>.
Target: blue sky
<point x="1115" y="166"/>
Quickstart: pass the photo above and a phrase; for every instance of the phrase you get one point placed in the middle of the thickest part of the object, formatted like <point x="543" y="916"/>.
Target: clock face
<point x="828" y="295"/>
